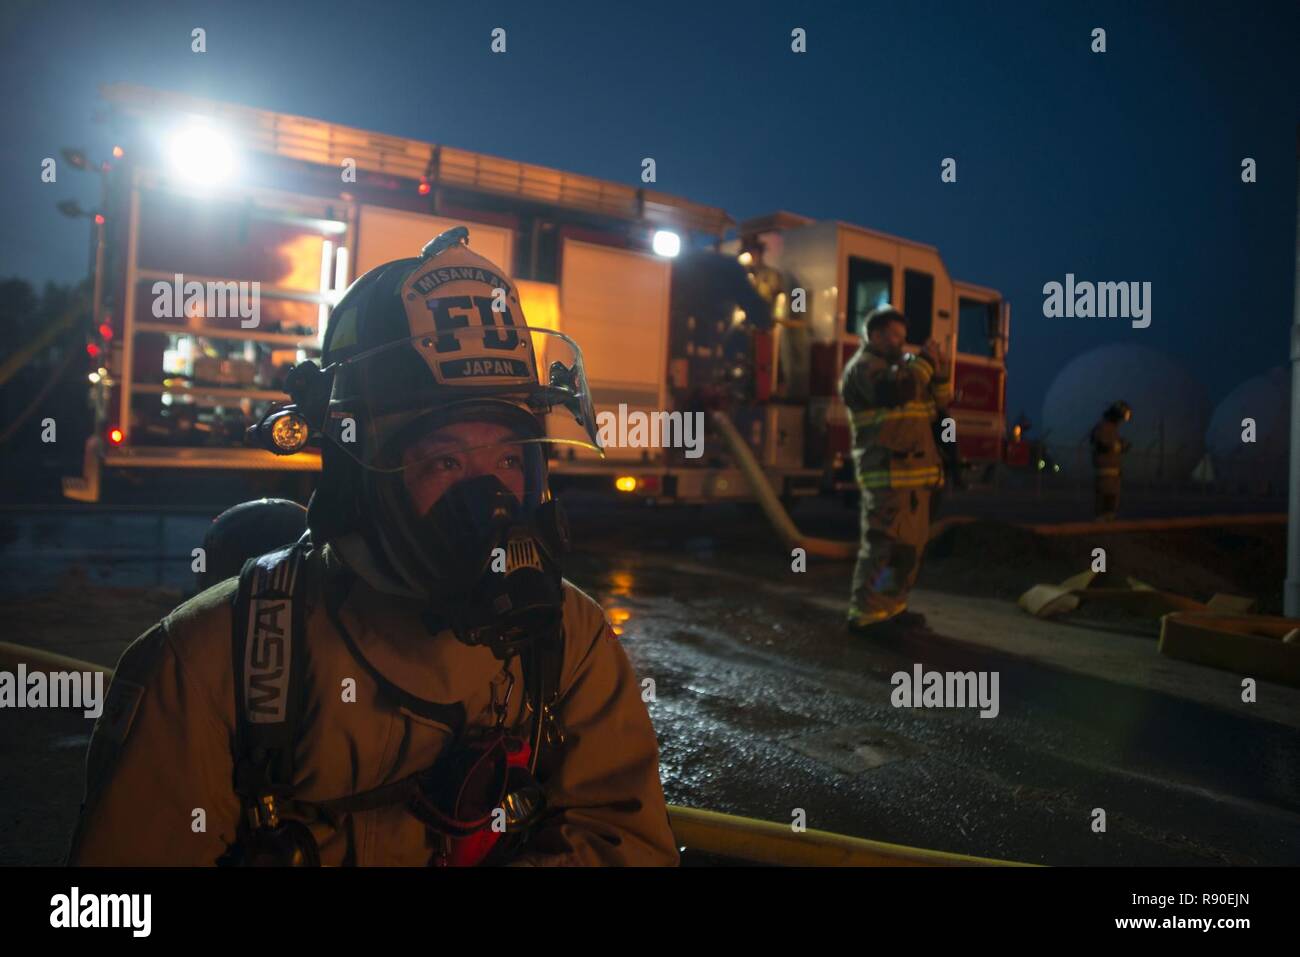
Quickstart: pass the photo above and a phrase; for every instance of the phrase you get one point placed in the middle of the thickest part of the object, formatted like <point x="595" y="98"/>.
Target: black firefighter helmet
<point x="413" y="347"/>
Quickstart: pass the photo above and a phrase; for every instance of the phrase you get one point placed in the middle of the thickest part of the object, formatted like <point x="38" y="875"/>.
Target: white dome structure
<point x="1263" y="463"/>
<point x="1170" y="410"/>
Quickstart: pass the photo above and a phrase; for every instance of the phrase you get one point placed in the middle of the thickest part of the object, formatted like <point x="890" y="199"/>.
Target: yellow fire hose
<point x="771" y="504"/>
<point x="726" y="835"/>
<point x="763" y="842"/>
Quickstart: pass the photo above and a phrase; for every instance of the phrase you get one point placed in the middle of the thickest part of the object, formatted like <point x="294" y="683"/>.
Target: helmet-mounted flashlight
<point x="287" y="431"/>
<point x="284" y="432"/>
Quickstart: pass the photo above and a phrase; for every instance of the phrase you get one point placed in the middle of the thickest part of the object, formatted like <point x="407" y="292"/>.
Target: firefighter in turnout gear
<point x="1107" y="457"/>
<point x="892" y="398"/>
<point x="413" y="682"/>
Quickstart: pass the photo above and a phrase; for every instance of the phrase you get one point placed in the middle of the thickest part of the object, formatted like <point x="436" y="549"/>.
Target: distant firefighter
<point x="1107" y="455"/>
<point x="893" y="397"/>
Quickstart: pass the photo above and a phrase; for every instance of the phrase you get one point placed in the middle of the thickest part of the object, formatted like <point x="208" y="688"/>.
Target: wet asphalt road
<point x="763" y="705"/>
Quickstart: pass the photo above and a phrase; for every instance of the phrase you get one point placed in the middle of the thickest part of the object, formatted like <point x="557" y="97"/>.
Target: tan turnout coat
<point x="162" y="752"/>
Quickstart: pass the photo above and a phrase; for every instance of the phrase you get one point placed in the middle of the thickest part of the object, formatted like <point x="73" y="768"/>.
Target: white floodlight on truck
<point x="666" y="243"/>
<point x="201" y="154"/>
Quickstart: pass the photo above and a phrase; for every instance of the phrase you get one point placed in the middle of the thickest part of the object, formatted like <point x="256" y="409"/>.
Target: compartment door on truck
<point x="614" y="303"/>
<point x="387" y="234"/>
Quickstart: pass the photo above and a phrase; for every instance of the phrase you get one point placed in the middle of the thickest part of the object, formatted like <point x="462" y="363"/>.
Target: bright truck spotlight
<point x="666" y="243"/>
<point x="201" y="154"/>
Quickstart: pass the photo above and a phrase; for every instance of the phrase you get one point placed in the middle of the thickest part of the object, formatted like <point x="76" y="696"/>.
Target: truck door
<point x="387" y="234"/>
<point x="614" y="304"/>
<point x="979" y="378"/>
<point x="871" y="284"/>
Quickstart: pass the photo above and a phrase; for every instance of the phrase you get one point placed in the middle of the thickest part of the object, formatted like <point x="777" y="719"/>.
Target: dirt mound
<point x="91" y="622"/>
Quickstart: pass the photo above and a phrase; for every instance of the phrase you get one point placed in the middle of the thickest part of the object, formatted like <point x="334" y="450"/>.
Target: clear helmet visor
<point x="462" y="402"/>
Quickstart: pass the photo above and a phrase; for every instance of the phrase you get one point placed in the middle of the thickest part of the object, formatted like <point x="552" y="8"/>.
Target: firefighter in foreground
<point x="413" y="683"/>
<point x="1107" y="456"/>
<point x="892" y="397"/>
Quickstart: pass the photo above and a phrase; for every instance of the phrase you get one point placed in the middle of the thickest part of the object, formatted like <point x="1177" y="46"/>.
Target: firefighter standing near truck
<point x="892" y="397"/>
<point x="1108" y="451"/>
<point x="413" y="682"/>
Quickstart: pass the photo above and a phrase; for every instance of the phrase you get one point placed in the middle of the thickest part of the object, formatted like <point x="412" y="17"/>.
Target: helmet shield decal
<point x="477" y="390"/>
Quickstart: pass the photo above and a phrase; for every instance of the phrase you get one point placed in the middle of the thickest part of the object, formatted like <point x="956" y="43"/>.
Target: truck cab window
<point x="870" y="285"/>
<point x="918" y="304"/>
<point x="977" y="323"/>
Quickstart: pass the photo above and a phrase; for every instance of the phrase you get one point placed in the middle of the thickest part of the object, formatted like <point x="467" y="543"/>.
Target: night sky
<point x="1115" y="167"/>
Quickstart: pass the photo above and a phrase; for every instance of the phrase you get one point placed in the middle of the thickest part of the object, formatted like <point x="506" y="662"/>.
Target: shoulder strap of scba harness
<point x="268" y="656"/>
<point x="268" y="662"/>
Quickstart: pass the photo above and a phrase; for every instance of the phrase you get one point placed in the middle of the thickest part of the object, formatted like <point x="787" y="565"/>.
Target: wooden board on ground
<point x="1250" y="645"/>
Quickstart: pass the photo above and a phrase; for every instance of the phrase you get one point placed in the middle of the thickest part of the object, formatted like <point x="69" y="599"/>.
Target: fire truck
<point x="226" y="234"/>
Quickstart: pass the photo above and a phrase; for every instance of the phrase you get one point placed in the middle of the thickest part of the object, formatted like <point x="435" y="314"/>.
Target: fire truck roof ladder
<point x="315" y="141"/>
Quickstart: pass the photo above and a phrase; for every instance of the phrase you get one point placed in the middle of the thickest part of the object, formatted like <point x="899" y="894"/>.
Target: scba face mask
<point x="501" y="561"/>
<point x="464" y="518"/>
